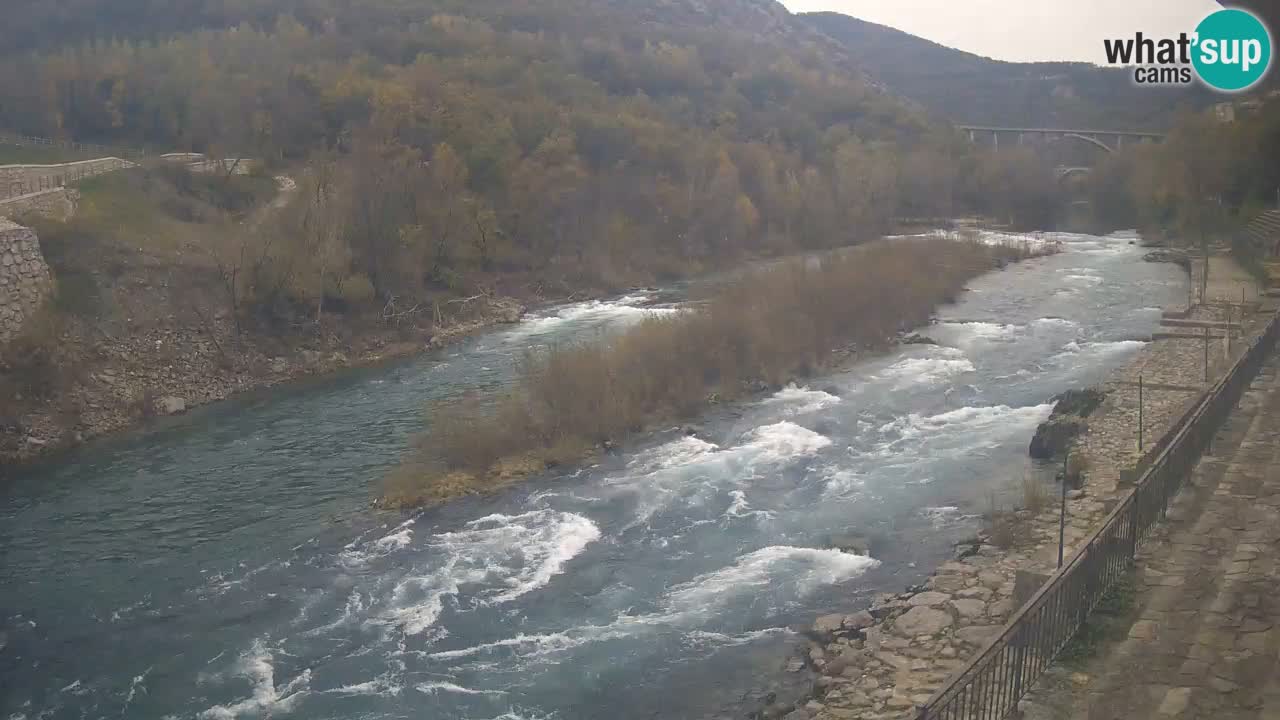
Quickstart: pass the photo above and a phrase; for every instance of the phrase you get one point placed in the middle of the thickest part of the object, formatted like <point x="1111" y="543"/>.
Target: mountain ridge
<point x="967" y="88"/>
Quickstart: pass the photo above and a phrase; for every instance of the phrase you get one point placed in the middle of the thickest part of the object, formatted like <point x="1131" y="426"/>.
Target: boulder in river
<point x="1054" y="436"/>
<point x="1080" y="403"/>
<point x="918" y="339"/>
<point x="852" y="543"/>
<point x="171" y="405"/>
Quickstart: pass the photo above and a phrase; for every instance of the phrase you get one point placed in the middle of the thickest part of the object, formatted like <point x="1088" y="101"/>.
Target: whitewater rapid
<point x="229" y="567"/>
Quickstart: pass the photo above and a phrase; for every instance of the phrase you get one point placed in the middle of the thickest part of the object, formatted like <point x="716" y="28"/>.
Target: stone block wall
<point x="58" y="203"/>
<point x="25" y="179"/>
<point x="24" y="277"/>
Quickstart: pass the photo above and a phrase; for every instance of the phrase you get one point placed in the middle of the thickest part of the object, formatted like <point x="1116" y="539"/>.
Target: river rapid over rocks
<point x="227" y="564"/>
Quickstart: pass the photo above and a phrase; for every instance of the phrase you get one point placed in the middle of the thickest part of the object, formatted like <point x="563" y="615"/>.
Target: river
<point x="227" y="564"/>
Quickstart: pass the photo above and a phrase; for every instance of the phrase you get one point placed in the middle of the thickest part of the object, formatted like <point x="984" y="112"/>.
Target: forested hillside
<point x="588" y="142"/>
<point x="970" y="89"/>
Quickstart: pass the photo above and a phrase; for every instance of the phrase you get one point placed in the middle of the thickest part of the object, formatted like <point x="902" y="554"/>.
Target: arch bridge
<point x="1097" y="138"/>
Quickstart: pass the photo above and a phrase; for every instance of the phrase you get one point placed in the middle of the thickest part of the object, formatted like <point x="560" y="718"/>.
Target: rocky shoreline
<point x="170" y="370"/>
<point x="883" y="662"/>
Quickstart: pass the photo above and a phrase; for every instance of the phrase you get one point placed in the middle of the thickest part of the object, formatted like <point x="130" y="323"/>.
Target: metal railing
<point x="990" y="685"/>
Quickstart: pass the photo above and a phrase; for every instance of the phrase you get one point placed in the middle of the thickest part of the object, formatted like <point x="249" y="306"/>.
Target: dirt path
<point x="1202" y="642"/>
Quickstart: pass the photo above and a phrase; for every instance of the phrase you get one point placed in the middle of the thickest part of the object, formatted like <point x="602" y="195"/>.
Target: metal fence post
<point x="1139" y="414"/>
<point x="1062" y="516"/>
<point x="1206" y="354"/>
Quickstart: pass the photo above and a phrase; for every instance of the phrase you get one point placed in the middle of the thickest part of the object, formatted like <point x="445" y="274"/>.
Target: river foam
<point x="797" y="400"/>
<point x="785" y="572"/>
<point x="954" y="433"/>
<point x="508" y="556"/>
<point x="624" y="310"/>
<point x="266" y="698"/>
<point x="943" y="365"/>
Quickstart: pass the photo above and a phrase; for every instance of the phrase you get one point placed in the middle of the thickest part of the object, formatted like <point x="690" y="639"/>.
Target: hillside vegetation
<point x="1199" y="186"/>
<point x="444" y="156"/>
<point x="553" y="144"/>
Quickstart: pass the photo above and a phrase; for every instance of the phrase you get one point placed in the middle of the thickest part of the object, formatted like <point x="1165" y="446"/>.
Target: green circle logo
<point x="1232" y="50"/>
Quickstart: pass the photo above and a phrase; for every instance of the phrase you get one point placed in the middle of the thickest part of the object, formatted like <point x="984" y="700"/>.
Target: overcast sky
<point x="1024" y="30"/>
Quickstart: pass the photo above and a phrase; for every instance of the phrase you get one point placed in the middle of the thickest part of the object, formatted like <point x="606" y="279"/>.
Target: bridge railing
<point x="990" y="685"/>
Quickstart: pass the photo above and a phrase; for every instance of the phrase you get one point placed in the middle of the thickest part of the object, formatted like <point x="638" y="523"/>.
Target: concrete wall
<point x="198" y="163"/>
<point x="24" y="277"/>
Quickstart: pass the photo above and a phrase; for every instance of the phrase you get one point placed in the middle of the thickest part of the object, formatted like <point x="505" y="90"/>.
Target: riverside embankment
<point x="227" y="564"/>
<point x="883" y="663"/>
<point x="124" y="380"/>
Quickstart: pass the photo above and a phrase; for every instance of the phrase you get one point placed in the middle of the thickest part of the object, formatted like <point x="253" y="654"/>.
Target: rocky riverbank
<point x="886" y="660"/>
<point x="169" y="369"/>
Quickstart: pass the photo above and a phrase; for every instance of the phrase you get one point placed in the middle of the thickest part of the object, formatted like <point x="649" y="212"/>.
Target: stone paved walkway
<point x="1204" y="643"/>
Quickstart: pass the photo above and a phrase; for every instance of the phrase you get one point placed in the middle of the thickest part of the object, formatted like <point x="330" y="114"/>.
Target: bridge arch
<point x="1090" y="140"/>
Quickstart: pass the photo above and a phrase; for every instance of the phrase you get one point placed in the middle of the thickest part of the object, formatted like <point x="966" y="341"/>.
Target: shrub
<point x="1035" y="495"/>
<point x="357" y="290"/>
<point x="1003" y="526"/>
<point x="770" y="326"/>
<point x="1077" y="470"/>
<point x="30" y="363"/>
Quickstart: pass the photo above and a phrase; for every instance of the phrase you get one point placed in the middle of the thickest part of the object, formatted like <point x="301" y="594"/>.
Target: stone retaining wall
<point x="24" y="277"/>
<point x="16" y="180"/>
<point x="59" y="203"/>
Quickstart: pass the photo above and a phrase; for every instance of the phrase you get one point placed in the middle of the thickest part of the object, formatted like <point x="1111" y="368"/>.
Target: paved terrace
<point x="1202" y="641"/>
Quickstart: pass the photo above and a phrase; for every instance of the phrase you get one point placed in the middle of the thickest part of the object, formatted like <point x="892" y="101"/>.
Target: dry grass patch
<point x="776" y="325"/>
<point x="1035" y="495"/>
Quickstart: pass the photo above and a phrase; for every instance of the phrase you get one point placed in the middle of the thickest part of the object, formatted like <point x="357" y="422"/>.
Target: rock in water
<point x="917" y="339"/>
<point x="1054" y="436"/>
<point x="171" y="405"/>
<point x="851" y="543"/>
<point x="1080" y="403"/>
